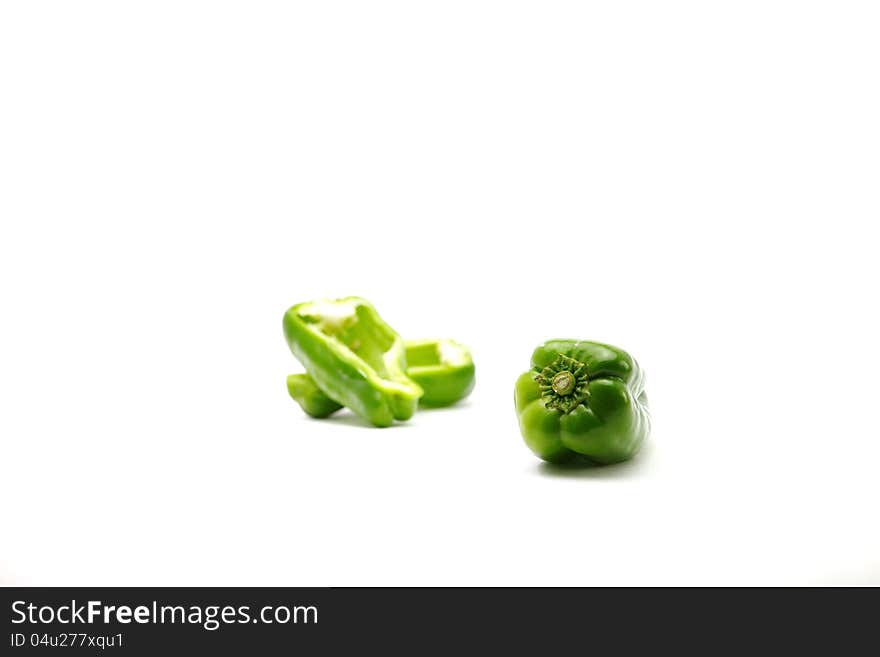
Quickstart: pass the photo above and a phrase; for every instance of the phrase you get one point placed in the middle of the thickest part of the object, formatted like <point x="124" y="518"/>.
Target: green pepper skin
<point x="309" y="396"/>
<point x="443" y="368"/>
<point x="582" y="400"/>
<point x="354" y="357"/>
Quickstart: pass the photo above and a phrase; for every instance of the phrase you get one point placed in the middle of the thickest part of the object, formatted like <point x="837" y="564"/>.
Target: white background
<point x="694" y="182"/>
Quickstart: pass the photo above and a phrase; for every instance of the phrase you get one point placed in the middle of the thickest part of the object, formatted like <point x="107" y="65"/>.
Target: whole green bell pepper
<point x="443" y="368"/>
<point x="582" y="401"/>
<point x="354" y="357"/>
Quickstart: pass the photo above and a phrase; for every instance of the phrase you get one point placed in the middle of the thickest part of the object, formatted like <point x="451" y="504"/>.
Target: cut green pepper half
<point x="309" y="396"/>
<point x="353" y="357"/>
<point x="443" y="368"/>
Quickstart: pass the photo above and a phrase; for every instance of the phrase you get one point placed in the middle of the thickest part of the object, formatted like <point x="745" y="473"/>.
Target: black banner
<point x="269" y="621"/>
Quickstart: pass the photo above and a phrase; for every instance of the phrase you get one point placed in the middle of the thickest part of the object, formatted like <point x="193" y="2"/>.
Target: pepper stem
<point x="563" y="383"/>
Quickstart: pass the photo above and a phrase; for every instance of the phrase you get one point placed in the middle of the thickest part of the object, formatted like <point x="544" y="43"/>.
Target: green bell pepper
<point x="582" y="401"/>
<point x="354" y="357"/>
<point x="443" y="368"/>
<point x="309" y="396"/>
